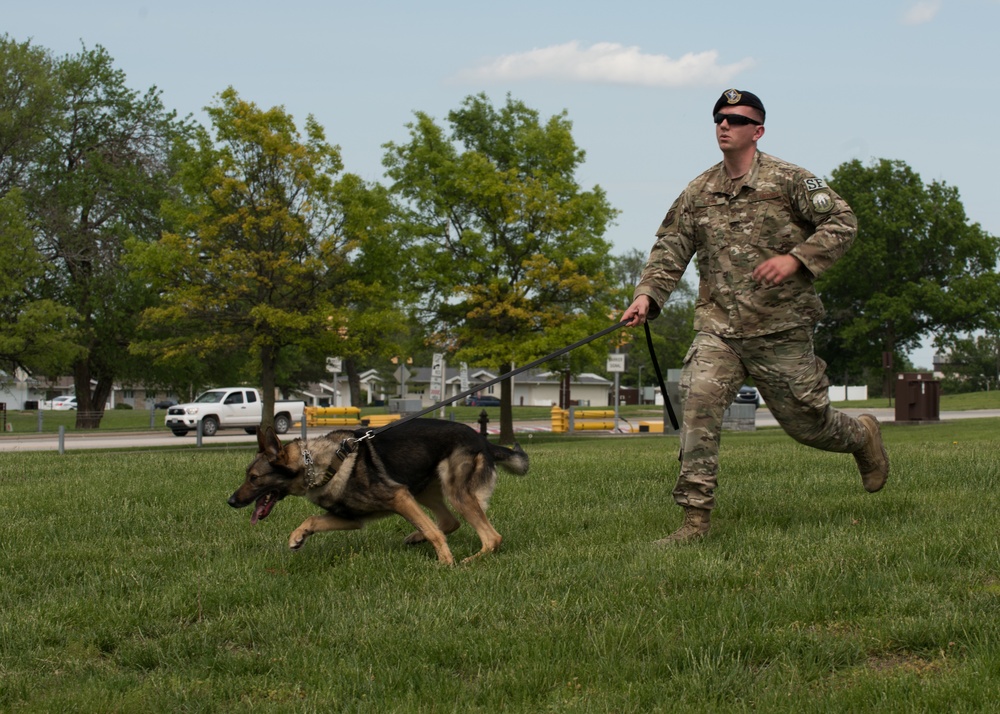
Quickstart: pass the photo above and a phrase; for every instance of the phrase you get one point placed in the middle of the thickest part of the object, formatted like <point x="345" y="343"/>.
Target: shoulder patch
<point x="668" y="219"/>
<point x="822" y="201"/>
<point x="815" y="184"/>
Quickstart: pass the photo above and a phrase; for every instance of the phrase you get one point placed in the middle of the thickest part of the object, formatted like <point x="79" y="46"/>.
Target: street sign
<point x="437" y="377"/>
<point x="616" y="363"/>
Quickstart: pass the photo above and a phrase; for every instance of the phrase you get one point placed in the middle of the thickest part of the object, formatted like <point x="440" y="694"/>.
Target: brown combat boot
<point x="694" y="527"/>
<point x="872" y="458"/>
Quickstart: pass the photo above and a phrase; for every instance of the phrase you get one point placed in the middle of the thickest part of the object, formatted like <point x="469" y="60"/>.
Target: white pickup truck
<point x="229" y="408"/>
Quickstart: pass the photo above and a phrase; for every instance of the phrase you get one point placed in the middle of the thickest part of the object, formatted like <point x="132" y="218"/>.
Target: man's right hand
<point x="637" y="311"/>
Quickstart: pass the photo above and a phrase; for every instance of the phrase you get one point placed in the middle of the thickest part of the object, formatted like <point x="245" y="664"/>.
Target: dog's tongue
<point x="264" y="505"/>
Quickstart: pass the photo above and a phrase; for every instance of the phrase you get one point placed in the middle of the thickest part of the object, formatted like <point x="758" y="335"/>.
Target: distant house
<point x="532" y="388"/>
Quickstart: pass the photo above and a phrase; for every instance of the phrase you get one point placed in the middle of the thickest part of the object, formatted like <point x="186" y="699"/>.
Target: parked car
<point x="64" y="403"/>
<point x="164" y="404"/>
<point x="747" y="395"/>
<point x="484" y="400"/>
<point x="230" y="408"/>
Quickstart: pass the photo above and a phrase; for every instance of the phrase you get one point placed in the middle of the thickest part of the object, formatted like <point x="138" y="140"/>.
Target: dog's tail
<point x="513" y="460"/>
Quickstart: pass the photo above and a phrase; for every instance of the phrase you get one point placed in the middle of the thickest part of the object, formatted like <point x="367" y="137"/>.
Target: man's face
<point x="738" y="137"/>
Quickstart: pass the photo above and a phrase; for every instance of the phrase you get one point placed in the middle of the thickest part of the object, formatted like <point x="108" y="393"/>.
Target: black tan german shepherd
<point x="427" y="462"/>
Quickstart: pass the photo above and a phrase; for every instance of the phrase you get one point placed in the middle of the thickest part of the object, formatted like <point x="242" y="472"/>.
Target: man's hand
<point x="776" y="270"/>
<point x="637" y="311"/>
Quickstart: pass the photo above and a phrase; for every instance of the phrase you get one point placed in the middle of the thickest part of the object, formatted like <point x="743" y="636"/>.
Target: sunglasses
<point x="736" y="119"/>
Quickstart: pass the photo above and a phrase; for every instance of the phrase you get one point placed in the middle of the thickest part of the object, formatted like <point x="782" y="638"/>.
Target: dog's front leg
<point x="320" y="524"/>
<point x="406" y="505"/>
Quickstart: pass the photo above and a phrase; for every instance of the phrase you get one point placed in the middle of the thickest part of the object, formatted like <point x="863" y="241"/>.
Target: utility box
<point x="918" y="397"/>
<point x="405" y="406"/>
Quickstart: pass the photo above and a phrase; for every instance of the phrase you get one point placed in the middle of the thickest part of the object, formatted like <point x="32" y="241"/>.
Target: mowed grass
<point x="128" y="585"/>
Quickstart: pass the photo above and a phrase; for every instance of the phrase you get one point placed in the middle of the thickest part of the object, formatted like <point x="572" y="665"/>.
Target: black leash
<point x="347" y="448"/>
<point x="659" y="378"/>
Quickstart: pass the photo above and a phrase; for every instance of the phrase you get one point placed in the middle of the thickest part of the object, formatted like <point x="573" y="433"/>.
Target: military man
<point x="762" y="231"/>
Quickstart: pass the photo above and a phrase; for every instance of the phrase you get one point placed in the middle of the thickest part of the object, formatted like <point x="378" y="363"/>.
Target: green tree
<point x="259" y="273"/>
<point x="510" y="248"/>
<point x="28" y="109"/>
<point x="97" y="181"/>
<point x="972" y="364"/>
<point x="918" y="267"/>
<point x="37" y="333"/>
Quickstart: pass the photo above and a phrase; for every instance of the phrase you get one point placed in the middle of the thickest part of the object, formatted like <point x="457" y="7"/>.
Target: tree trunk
<point x="353" y="380"/>
<point x="268" y="360"/>
<point x="89" y="406"/>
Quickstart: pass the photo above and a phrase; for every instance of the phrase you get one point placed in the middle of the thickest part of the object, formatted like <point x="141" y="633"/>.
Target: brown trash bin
<point x="918" y="397"/>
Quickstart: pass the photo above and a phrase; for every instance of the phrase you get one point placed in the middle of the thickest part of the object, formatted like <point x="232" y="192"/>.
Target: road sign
<point x="616" y="363"/>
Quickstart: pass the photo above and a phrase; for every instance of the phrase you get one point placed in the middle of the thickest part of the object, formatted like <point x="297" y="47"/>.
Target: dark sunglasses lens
<point x="734" y="119"/>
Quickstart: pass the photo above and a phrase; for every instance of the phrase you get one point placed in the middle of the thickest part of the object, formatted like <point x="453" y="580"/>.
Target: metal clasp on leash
<point x="350" y="445"/>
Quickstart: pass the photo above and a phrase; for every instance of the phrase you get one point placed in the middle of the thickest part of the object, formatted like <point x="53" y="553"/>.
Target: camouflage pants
<point x="791" y="379"/>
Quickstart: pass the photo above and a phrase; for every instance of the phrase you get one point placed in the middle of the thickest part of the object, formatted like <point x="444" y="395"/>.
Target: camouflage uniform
<point x="746" y="329"/>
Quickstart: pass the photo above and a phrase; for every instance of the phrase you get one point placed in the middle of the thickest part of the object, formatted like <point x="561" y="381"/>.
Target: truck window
<point x="251" y="397"/>
<point x="235" y="398"/>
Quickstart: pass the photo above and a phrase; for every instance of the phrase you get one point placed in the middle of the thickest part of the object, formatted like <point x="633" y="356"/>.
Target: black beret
<point x="735" y="98"/>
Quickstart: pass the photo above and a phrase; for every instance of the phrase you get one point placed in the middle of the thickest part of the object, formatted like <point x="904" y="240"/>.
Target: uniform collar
<point x="721" y="183"/>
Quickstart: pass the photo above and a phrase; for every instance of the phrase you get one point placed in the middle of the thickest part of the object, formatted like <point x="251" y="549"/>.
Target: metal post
<point x="152" y="417"/>
<point x="198" y="434"/>
<point x="617" y="375"/>
<point x="40" y="410"/>
<point x="304" y="435"/>
<point x="62" y="440"/>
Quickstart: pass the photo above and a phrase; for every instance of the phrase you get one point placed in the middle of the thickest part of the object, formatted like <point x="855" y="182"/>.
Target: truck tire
<point x="179" y="432"/>
<point x="209" y="426"/>
<point x="282" y="423"/>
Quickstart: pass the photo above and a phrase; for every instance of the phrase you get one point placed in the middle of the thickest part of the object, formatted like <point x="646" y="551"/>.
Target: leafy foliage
<point x="918" y="267"/>
<point x="259" y="275"/>
<point x="90" y="159"/>
<point x="511" y="250"/>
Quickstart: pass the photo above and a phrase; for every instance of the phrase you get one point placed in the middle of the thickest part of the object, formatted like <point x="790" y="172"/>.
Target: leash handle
<point x="659" y="378"/>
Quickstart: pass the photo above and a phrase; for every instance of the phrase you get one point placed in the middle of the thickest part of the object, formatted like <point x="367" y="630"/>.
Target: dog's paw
<point x="297" y="539"/>
<point x="414" y="538"/>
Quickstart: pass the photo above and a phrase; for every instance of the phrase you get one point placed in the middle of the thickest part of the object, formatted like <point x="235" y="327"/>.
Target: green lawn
<point x="129" y="585"/>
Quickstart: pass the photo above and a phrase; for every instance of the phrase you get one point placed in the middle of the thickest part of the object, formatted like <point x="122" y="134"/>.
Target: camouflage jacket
<point x="732" y="226"/>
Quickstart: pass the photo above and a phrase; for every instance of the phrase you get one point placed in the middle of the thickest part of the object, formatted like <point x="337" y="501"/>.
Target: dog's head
<point x="270" y="476"/>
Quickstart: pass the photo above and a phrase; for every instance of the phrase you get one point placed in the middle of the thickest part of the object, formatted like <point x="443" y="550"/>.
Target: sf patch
<point x="819" y="195"/>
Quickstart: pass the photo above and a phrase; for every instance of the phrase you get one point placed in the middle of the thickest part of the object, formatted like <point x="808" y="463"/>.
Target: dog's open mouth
<point x="263" y="507"/>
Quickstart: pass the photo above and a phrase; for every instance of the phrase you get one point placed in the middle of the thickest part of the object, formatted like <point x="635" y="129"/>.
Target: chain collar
<point x="310" y="468"/>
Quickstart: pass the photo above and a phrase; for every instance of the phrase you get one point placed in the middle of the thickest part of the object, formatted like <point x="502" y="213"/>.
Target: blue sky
<point x="896" y="79"/>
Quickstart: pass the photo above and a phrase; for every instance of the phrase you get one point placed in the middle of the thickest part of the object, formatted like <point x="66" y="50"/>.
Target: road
<point x="158" y="439"/>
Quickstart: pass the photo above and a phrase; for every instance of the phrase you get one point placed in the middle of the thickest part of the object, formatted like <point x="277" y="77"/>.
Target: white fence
<point x="848" y="394"/>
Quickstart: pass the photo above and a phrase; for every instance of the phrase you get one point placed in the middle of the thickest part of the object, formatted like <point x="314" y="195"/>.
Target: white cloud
<point x="923" y="11"/>
<point x="609" y="63"/>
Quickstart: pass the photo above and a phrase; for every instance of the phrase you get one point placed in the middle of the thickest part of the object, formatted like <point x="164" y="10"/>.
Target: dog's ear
<point x="268" y="443"/>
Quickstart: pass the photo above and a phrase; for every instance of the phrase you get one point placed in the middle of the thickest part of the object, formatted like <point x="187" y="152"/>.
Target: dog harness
<point x="347" y="447"/>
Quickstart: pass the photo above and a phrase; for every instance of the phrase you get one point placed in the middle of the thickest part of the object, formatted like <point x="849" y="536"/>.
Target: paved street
<point x="151" y="439"/>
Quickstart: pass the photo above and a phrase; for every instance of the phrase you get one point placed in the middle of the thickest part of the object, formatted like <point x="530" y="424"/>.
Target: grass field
<point x="128" y="585"/>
